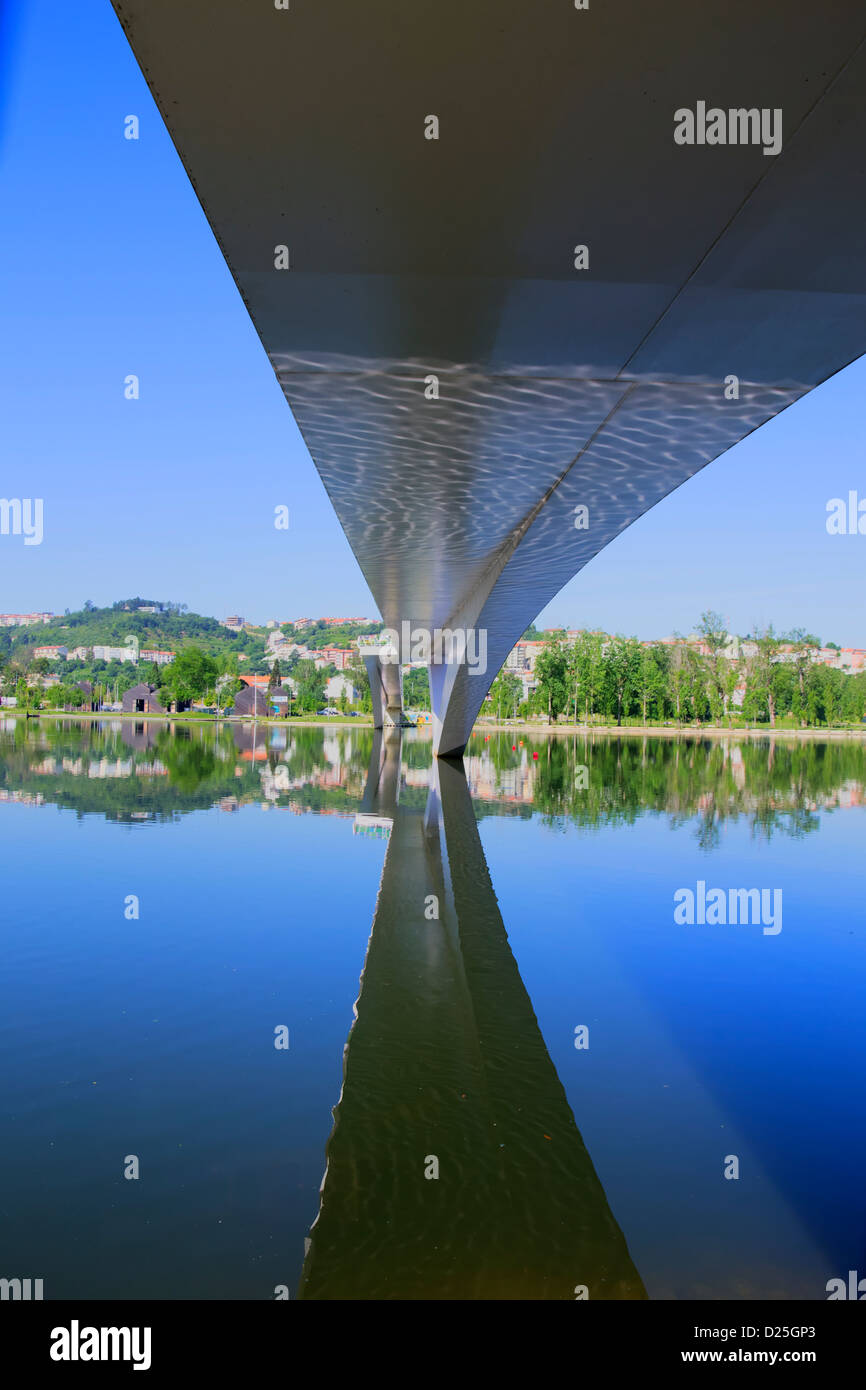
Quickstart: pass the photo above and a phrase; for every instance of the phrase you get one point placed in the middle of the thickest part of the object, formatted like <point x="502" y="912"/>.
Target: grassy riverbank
<point x="535" y="728"/>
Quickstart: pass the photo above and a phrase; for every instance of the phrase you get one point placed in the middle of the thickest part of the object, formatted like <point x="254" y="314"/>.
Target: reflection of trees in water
<point x="163" y="769"/>
<point x="778" y="786"/>
<point x="306" y="756"/>
<point x="136" y="771"/>
<point x="189" y="762"/>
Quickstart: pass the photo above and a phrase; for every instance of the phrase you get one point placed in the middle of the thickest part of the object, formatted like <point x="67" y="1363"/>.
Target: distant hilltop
<point x="153" y="608"/>
<point x="146" y="632"/>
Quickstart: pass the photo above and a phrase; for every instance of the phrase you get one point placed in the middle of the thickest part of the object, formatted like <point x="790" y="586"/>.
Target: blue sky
<point x="108" y="267"/>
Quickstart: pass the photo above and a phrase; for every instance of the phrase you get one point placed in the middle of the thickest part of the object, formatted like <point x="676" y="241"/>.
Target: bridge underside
<point x="461" y="385"/>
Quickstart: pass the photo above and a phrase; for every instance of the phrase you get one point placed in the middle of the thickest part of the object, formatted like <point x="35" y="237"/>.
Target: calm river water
<point x="368" y="1027"/>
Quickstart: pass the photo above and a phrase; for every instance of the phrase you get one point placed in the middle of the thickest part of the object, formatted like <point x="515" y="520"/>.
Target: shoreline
<point x="687" y="730"/>
<point x="364" y="721"/>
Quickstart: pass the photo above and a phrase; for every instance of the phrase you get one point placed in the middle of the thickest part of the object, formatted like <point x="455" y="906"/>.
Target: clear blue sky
<point x="108" y="267"/>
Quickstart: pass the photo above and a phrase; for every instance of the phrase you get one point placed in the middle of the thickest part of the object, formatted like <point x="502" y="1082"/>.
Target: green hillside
<point x="171" y="628"/>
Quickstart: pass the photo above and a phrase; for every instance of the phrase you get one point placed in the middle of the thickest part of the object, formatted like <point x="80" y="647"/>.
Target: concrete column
<point x="386" y="686"/>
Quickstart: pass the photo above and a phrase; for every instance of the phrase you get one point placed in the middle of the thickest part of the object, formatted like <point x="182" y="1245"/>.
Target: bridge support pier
<point x="457" y="692"/>
<point x="386" y="687"/>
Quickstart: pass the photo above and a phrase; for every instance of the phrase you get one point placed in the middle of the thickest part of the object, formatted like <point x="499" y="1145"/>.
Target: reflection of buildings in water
<point x="373" y="827"/>
<point x="331" y="749"/>
<point x="251" y="741"/>
<point x="19" y="798"/>
<point x="275" y="782"/>
<point x="733" y="755"/>
<point x="486" y="782"/>
<point x="851" y="793"/>
<point x="334" y="769"/>
<point x="489" y="783"/>
<point x="99" y="769"/>
<point x="302" y="764"/>
<point x="140" y="735"/>
<point x="446" y="1071"/>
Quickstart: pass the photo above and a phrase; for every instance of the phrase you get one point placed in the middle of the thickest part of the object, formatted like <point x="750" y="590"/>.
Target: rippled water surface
<point x="511" y="1071"/>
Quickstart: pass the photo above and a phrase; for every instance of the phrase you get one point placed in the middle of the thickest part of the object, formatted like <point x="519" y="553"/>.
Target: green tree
<point x="586" y="673"/>
<point x="805" y="647"/>
<point x="622" y="668"/>
<point x="761" y="685"/>
<point x="357" y="673"/>
<point x="552" y="675"/>
<point x="713" y="631"/>
<point x="189" y="676"/>
<point x="715" y="635"/>
<point x="311" y="686"/>
<point x="700" y="684"/>
<point x="505" y="695"/>
<point x="25" y="695"/>
<point x="652" y="679"/>
<point x="416" y="688"/>
<point x="733" y="674"/>
<point x="679" y="679"/>
<point x="65" y="696"/>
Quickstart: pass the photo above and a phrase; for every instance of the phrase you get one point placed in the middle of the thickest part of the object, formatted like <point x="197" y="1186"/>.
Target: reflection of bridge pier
<point x="382" y="789"/>
<point x="446" y="1060"/>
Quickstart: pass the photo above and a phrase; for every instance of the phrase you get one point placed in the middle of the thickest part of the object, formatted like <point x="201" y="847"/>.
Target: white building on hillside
<point x="340" y="685"/>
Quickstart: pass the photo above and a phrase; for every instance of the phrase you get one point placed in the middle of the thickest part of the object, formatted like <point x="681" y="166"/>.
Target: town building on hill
<point x="340" y="685"/>
<point x="523" y="656"/>
<point x="334" y="656"/>
<point x="285" y="653"/>
<point x="24" y="619"/>
<point x="115" y="654"/>
<point x="157" y="657"/>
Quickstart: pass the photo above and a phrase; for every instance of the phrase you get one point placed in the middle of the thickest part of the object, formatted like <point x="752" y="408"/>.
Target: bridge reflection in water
<point x="445" y="1060"/>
